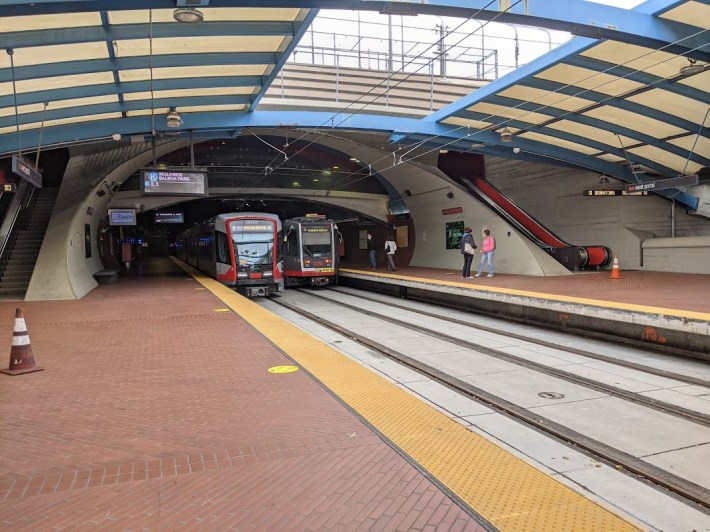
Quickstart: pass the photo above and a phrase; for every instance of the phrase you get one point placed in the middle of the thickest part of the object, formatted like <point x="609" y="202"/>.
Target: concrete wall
<point x="62" y="270"/>
<point x="689" y="254"/>
<point x="428" y="202"/>
<point x="553" y="195"/>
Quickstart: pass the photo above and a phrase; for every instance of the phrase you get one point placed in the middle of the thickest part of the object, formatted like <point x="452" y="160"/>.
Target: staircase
<point x="22" y="250"/>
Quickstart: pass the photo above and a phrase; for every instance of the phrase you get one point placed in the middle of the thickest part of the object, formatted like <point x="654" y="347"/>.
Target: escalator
<point x="459" y="167"/>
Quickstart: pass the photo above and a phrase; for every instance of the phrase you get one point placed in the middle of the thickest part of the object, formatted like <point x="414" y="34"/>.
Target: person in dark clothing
<point x="372" y="251"/>
<point x="467" y="252"/>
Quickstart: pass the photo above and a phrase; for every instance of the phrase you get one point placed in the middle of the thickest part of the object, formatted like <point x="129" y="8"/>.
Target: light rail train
<point x="238" y="249"/>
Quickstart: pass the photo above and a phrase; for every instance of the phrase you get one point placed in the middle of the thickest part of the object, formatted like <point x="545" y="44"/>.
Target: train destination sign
<point x="607" y="193"/>
<point x="25" y="171"/>
<point x="663" y="184"/>
<point x="173" y="183"/>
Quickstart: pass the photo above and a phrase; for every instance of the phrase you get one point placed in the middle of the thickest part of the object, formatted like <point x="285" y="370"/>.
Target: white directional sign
<point x="663" y="184"/>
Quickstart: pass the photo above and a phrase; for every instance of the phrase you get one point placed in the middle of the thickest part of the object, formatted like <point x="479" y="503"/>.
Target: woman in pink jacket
<point x="487" y="249"/>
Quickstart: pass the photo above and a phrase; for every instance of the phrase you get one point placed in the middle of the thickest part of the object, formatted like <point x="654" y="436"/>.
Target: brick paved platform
<point x="679" y="291"/>
<point x="156" y="411"/>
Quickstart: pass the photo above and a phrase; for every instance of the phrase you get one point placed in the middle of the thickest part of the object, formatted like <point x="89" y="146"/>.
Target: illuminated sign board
<point x="122" y="217"/>
<point x="607" y="193"/>
<point x="9" y="187"/>
<point x="25" y="171"/>
<point x="236" y="226"/>
<point x="663" y="184"/>
<point x="169" y="217"/>
<point x="173" y="183"/>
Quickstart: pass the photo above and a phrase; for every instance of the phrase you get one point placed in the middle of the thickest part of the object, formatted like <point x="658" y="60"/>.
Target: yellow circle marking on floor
<point x="508" y="492"/>
<point x="283" y="369"/>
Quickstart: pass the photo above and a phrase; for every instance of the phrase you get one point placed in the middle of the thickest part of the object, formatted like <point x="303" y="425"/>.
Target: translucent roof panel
<point x="127" y="64"/>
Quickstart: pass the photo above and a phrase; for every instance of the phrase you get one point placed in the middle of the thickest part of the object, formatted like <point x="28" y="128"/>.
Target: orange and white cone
<point x="615" y="270"/>
<point x="21" y="358"/>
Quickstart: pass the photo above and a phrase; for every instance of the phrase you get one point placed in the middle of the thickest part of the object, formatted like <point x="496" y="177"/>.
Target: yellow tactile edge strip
<point x="509" y="493"/>
<point x="703" y="316"/>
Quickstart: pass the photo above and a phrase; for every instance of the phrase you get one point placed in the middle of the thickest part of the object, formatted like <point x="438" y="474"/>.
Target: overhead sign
<point x="122" y="217"/>
<point x="607" y="193"/>
<point x="25" y="171"/>
<point x="169" y="217"/>
<point x="173" y="183"/>
<point x="663" y="184"/>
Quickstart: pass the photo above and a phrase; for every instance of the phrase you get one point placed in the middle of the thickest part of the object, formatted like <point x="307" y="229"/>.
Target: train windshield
<point x="317" y="240"/>
<point x="253" y="242"/>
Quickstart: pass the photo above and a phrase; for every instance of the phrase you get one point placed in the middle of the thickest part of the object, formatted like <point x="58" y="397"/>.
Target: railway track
<point x="690" y="491"/>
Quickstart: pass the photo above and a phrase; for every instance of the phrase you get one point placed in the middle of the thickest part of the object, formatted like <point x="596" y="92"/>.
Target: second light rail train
<point x="310" y="251"/>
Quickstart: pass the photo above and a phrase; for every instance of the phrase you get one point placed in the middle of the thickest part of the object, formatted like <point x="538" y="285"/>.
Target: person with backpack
<point x="487" y="249"/>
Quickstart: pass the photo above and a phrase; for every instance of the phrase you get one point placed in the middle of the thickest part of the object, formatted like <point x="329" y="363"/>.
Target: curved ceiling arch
<point x="86" y="70"/>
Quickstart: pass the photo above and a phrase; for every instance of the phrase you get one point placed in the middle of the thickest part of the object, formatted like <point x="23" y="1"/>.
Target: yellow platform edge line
<point x="505" y="490"/>
<point x="616" y="305"/>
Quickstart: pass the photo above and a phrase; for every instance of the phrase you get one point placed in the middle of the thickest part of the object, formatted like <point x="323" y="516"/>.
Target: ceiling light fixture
<point x="173" y="118"/>
<point x="188" y="14"/>
<point x="506" y="135"/>
<point x="691" y="68"/>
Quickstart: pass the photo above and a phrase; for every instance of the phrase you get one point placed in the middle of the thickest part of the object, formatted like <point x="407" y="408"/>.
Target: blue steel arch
<point x="643" y="26"/>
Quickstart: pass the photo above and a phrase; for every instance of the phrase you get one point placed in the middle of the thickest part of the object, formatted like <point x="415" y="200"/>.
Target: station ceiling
<point x="628" y="97"/>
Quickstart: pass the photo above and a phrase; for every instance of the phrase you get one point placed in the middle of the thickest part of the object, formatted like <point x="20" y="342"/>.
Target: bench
<point x="106" y="276"/>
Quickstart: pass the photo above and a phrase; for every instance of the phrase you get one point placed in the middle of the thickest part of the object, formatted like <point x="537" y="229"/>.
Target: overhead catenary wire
<point x="387" y="79"/>
<point x="315" y="131"/>
<point x="541" y="107"/>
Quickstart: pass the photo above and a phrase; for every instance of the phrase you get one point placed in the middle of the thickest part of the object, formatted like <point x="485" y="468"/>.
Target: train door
<point x="225" y="270"/>
<point x="292" y="248"/>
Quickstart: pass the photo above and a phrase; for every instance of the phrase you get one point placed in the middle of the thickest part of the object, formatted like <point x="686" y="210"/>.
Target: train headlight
<point x="267" y="274"/>
<point x="242" y="275"/>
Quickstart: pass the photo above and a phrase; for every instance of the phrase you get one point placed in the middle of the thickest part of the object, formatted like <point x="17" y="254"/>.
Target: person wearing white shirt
<point x="390" y="248"/>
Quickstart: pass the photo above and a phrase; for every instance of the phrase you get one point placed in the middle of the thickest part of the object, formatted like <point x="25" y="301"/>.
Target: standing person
<point x="372" y="251"/>
<point x="390" y="248"/>
<point x="467" y="247"/>
<point x="487" y="249"/>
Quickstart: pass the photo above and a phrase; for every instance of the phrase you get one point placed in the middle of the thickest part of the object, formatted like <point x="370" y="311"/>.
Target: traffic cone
<point x="615" y="270"/>
<point x="21" y="358"/>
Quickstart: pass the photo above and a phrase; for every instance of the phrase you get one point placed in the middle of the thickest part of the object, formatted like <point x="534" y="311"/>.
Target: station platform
<point x="663" y="310"/>
<point x="169" y="401"/>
